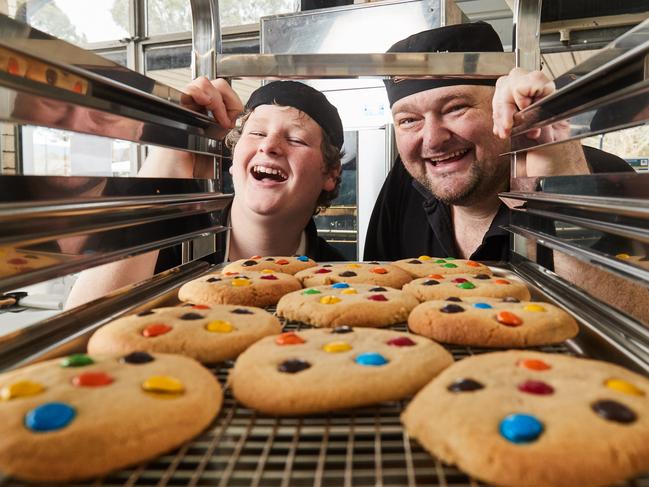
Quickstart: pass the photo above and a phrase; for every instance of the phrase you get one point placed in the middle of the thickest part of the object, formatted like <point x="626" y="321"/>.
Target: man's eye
<point x="293" y="140"/>
<point x="405" y="122"/>
<point x="458" y="108"/>
<point x="258" y="134"/>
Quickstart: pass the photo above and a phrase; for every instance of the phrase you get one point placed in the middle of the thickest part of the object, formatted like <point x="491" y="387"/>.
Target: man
<point x="441" y="197"/>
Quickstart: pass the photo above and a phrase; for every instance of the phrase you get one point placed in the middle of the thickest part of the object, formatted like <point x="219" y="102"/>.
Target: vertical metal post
<point x="206" y="43"/>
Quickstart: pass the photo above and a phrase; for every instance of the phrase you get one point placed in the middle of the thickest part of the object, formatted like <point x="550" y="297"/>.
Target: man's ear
<point x="230" y="169"/>
<point x="331" y="179"/>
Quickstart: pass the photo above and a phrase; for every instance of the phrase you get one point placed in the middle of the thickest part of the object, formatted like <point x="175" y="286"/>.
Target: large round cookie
<point x="319" y="370"/>
<point x="287" y="265"/>
<point x="344" y="304"/>
<point x="246" y="288"/>
<point x="532" y="419"/>
<point x="354" y="273"/>
<point x="82" y="417"/>
<point x="207" y="334"/>
<point x="489" y="322"/>
<point x="438" y="286"/>
<point x="424" y="265"/>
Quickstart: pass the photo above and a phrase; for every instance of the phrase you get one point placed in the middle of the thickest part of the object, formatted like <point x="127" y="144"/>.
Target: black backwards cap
<point x="304" y="98"/>
<point x="473" y="37"/>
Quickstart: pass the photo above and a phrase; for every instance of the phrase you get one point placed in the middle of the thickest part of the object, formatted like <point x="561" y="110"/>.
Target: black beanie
<point x="304" y="98"/>
<point x="473" y="37"/>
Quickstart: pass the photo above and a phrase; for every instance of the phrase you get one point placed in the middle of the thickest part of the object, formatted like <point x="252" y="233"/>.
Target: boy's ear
<point x="331" y="179"/>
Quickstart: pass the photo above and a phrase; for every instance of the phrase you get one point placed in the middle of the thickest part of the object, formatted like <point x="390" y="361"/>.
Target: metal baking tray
<point x="354" y="447"/>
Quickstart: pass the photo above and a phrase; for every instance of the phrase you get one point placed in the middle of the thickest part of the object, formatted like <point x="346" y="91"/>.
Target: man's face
<point x="446" y="143"/>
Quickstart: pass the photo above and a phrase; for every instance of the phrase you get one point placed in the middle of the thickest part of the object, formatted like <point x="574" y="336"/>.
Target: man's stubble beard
<point x="479" y="186"/>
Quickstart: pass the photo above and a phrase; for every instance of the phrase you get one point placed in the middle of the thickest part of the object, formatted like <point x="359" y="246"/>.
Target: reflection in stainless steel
<point x="412" y="65"/>
<point x="613" y="95"/>
<point x="68" y="331"/>
<point x="101" y="105"/>
<point x="51" y="226"/>
<point x="616" y="185"/>
<point x="625" y="340"/>
<point x="206" y="37"/>
<point x="527" y="34"/>
<point x="581" y="252"/>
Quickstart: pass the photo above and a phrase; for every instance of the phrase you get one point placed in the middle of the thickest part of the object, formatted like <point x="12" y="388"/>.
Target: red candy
<point x="92" y="379"/>
<point x="155" y="330"/>
<point x="536" y="387"/>
<point x="289" y="338"/>
<point x="269" y="277"/>
<point x="401" y="342"/>
<point x="322" y="271"/>
<point x="459" y="280"/>
<point x="377" y="297"/>
<point x="200" y="306"/>
<point x="282" y="262"/>
<point x="501" y="281"/>
<point x="508" y="318"/>
<point x="17" y="261"/>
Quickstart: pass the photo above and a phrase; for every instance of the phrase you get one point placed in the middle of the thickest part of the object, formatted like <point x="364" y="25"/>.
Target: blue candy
<point x="482" y="306"/>
<point x="303" y="258"/>
<point x="340" y="285"/>
<point x="49" y="416"/>
<point x="521" y="428"/>
<point x="371" y="359"/>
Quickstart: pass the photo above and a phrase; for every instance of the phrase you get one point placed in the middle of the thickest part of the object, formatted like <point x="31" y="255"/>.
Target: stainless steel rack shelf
<point x="604" y="93"/>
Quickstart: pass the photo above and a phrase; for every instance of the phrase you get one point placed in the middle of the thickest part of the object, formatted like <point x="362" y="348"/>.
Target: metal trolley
<point x="554" y="219"/>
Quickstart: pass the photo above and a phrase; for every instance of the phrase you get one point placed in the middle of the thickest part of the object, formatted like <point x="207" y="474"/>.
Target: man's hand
<point x="216" y="96"/>
<point x="518" y="90"/>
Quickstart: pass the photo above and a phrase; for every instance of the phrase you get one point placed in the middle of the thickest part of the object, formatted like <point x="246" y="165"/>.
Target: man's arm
<point x="223" y="102"/>
<point x="518" y="90"/>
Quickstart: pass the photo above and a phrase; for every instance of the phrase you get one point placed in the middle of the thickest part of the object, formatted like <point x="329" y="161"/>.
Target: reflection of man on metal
<point x="441" y="197"/>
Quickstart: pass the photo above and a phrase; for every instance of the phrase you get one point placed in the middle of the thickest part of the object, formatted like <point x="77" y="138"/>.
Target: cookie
<point x="207" y="334"/>
<point x="523" y="419"/>
<point x="14" y="261"/>
<point x="438" y="286"/>
<point x="344" y="304"/>
<point x="424" y="265"/>
<point x="248" y="289"/>
<point x="354" y="273"/>
<point x="83" y="416"/>
<point x="287" y="265"/>
<point x="489" y="322"/>
<point x="319" y="370"/>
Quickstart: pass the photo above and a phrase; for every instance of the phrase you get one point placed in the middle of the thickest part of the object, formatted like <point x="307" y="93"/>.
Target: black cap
<point x="473" y="37"/>
<point x="304" y="98"/>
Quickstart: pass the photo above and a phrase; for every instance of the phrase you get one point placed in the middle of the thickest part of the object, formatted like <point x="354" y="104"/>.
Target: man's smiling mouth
<point x="446" y="158"/>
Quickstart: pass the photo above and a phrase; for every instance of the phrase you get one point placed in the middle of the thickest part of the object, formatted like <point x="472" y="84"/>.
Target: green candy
<point x="466" y="285"/>
<point x="77" y="360"/>
<point x="450" y="266"/>
<point x="440" y="261"/>
<point x="450" y="258"/>
<point x="311" y="291"/>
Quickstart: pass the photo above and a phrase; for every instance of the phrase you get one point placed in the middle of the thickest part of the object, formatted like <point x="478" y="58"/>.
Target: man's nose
<point x="78" y="118"/>
<point x="435" y="134"/>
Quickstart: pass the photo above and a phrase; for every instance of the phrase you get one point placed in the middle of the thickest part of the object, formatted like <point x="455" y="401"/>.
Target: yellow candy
<point x="329" y="300"/>
<point x="21" y="388"/>
<point x="623" y="256"/>
<point x="424" y="257"/>
<point x="220" y="326"/>
<point x="354" y="266"/>
<point x="623" y="386"/>
<point x="240" y="282"/>
<point x="267" y="271"/>
<point x="163" y="385"/>
<point x="335" y="347"/>
<point x="350" y="290"/>
<point x="533" y="307"/>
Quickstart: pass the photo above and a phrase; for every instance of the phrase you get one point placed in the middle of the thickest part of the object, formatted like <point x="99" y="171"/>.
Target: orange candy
<point x="13" y="66"/>
<point x="472" y="263"/>
<point x="256" y="257"/>
<point x="281" y="261"/>
<point x="289" y="338"/>
<point x="508" y="318"/>
<point x="155" y="330"/>
<point x="200" y="306"/>
<point x="92" y="379"/>
<point x="435" y="276"/>
<point x="533" y="364"/>
<point x="379" y="270"/>
<point x="501" y="281"/>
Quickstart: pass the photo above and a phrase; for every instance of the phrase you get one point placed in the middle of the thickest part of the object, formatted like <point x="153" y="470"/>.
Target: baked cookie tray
<point x="356" y="447"/>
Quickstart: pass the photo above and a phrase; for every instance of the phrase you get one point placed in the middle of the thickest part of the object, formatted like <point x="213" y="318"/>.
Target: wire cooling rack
<point x="357" y="447"/>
